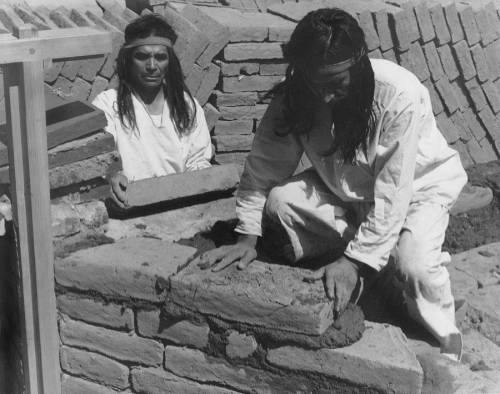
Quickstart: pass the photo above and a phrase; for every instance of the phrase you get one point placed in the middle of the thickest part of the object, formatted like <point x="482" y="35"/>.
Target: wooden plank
<point x="187" y="184"/>
<point x="56" y="44"/>
<point x="28" y="147"/>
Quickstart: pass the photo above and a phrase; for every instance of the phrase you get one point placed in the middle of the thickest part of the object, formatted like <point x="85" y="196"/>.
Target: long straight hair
<point x="179" y="99"/>
<point x="323" y="37"/>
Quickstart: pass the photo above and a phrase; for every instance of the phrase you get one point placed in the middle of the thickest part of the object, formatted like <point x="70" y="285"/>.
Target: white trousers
<point x="317" y="222"/>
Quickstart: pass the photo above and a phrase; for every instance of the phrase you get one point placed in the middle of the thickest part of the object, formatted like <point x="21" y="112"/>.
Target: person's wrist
<point x="361" y="268"/>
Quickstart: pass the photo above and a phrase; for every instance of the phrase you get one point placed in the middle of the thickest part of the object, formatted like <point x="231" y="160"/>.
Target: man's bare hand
<point x="341" y="278"/>
<point x="118" y="183"/>
<point x="242" y="253"/>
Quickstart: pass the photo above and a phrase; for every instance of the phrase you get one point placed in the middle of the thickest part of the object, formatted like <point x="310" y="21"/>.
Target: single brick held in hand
<point x="135" y="268"/>
<point x="381" y="359"/>
<point x="464" y="60"/>
<point x="271" y="296"/>
<point x="187" y="184"/>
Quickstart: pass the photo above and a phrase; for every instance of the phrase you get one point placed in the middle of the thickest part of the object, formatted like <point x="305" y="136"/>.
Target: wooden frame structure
<point x="23" y="58"/>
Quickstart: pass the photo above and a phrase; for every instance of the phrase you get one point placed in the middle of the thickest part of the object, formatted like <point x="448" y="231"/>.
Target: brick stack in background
<point x="232" y="55"/>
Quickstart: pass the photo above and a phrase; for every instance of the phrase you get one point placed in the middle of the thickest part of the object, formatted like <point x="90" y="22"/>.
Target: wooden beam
<point x="56" y="44"/>
<point x="188" y="184"/>
<point x="29" y="177"/>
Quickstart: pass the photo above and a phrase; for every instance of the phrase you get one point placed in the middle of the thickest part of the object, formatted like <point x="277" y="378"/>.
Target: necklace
<point x="149" y="114"/>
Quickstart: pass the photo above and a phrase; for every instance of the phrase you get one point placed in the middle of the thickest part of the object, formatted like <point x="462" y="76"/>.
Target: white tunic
<point x="150" y="151"/>
<point x="408" y="162"/>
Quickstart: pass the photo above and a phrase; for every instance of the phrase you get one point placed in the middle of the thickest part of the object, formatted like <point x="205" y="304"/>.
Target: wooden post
<point x="27" y="145"/>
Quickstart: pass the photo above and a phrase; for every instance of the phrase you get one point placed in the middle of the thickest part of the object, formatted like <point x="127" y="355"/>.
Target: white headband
<point x="151" y="40"/>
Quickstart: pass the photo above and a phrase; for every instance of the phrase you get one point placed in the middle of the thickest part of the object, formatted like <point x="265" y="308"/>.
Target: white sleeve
<point x="273" y="159"/>
<point x="394" y="173"/>
<point x="200" y="151"/>
<point x="105" y="101"/>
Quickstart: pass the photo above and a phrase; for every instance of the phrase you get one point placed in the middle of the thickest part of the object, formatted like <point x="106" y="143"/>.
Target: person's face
<point x="148" y="66"/>
<point x="329" y="87"/>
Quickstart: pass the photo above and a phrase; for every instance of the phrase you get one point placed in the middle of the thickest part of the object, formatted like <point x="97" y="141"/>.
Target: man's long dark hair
<point x="323" y="37"/>
<point x="183" y="112"/>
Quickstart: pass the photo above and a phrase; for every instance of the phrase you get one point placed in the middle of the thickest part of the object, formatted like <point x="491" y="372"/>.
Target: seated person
<point x="158" y="127"/>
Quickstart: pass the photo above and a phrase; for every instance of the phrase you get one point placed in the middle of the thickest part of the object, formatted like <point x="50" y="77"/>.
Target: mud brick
<point x="115" y="19"/>
<point x="448" y="62"/>
<point x="231" y="127"/>
<point x="273" y="68"/>
<point x="248" y="51"/>
<point x="424" y="21"/>
<point x="486" y="28"/>
<point x="375" y="54"/>
<point x="100" y="84"/>
<point x="414" y="60"/>
<point x="101" y="23"/>
<point x="438" y="21"/>
<point x="71" y="68"/>
<point x="476" y="94"/>
<point x="490" y="123"/>
<point x="29" y="17"/>
<point x="412" y="20"/>
<point x="475" y="127"/>
<point x="433" y="61"/>
<point x="193" y="78"/>
<point x="90" y="67"/>
<point x="61" y="19"/>
<point x="390" y="55"/>
<point x="230" y="69"/>
<point x="9" y="18"/>
<point x="233" y="143"/>
<point x="208" y="83"/>
<point x="447" y="128"/>
<point x="81" y="89"/>
<point x="217" y="33"/>
<point x="493" y="17"/>
<point x="465" y="157"/>
<point x="371" y="36"/>
<point x="447" y="94"/>
<point x="80" y="19"/>
<point x="460" y="93"/>
<point x="190" y="43"/>
<point x="493" y="96"/>
<point x="43" y="13"/>
<point x="492" y="53"/>
<point x="175" y="186"/>
<point x="437" y="105"/>
<point x="235" y="99"/>
<point x="479" y="58"/>
<point x="469" y="25"/>
<point x="461" y="124"/>
<point x="50" y="74"/>
<point x="488" y="150"/>
<point x="280" y="29"/>
<point x="211" y="115"/>
<point x="243" y="112"/>
<point x="451" y="15"/>
<point x="383" y="30"/>
<point x="464" y="60"/>
<point x="476" y="152"/>
<point x="399" y="23"/>
<point x="236" y="158"/>
<point x="257" y="83"/>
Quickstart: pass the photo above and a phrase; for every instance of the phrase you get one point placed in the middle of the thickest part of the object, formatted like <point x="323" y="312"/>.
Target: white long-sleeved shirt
<point x="407" y="161"/>
<point x="149" y="151"/>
